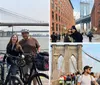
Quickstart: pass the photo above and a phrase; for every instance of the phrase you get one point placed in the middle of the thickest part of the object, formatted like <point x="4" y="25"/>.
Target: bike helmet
<point x="24" y="31"/>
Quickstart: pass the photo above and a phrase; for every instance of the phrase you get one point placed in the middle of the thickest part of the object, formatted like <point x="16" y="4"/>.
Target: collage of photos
<point x="49" y="42"/>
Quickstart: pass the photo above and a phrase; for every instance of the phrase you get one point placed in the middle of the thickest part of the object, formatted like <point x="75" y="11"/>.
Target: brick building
<point x="95" y="16"/>
<point x="61" y="15"/>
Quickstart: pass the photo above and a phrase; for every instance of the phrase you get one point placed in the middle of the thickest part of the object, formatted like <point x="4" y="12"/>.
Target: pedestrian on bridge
<point x="86" y="78"/>
<point x="68" y="79"/>
<point x="98" y="80"/>
<point x="61" y="80"/>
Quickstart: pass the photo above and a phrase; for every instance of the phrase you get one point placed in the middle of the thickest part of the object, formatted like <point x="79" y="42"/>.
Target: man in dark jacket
<point x="53" y="37"/>
<point x="76" y="35"/>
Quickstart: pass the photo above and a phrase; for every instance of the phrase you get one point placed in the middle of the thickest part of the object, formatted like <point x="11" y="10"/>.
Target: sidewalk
<point x="96" y="38"/>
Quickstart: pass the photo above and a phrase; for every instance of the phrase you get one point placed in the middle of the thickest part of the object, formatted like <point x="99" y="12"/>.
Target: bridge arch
<point x="67" y="51"/>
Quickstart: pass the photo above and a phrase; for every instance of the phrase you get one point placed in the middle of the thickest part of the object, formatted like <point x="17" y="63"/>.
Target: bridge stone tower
<point x="67" y="51"/>
<point x="84" y="11"/>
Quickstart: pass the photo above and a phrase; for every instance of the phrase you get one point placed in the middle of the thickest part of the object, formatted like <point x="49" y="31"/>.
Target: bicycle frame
<point x="31" y="71"/>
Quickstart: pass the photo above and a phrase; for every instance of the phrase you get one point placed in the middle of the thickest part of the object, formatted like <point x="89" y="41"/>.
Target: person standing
<point x="77" y="77"/>
<point x="76" y="35"/>
<point x="86" y="78"/>
<point x="68" y="79"/>
<point x="61" y="80"/>
<point x="14" y="49"/>
<point x="31" y="46"/>
<point x="98" y="80"/>
<point x="66" y="38"/>
<point x="53" y="37"/>
<point x="90" y="35"/>
<point x="59" y="37"/>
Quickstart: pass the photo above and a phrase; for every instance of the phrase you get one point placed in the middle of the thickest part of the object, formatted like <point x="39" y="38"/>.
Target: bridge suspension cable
<point x="91" y="57"/>
<point x="20" y="16"/>
<point x="73" y="65"/>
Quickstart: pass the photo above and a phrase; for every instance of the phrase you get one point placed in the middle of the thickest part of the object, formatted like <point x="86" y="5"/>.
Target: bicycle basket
<point x="42" y="61"/>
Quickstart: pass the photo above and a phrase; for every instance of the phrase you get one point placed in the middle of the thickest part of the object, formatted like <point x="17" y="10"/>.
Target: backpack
<point x="68" y="78"/>
<point x="42" y="61"/>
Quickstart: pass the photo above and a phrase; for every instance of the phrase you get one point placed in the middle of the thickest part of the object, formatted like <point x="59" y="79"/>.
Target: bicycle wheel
<point x="40" y="79"/>
<point x="13" y="80"/>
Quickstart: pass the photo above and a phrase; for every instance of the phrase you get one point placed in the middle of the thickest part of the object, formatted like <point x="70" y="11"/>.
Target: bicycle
<point x="40" y="77"/>
<point x="10" y="79"/>
<point x="27" y="79"/>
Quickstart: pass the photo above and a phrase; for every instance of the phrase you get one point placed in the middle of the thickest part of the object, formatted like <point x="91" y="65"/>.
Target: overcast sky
<point x="36" y="9"/>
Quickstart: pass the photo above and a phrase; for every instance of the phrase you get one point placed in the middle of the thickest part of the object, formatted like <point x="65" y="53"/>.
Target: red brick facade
<point x="95" y="15"/>
<point x="61" y="15"/>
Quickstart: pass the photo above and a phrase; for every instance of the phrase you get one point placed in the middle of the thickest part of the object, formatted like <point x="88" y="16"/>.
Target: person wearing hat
<point x="76" y="35"/>
<point x="30" y="46"/>
<point x="86" y="78"/>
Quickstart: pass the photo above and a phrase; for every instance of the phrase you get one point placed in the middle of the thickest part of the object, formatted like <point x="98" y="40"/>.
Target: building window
<point x="59" y="10"/>
<point x="56" y="27"/>
<point x="52" y="3"/>
<point x="59" y="18"/>
<point x="52" y="15"/>
<point x="99" y="4"/>
<point x="56" y="17"/>
<point x="52" y="26"/>
<point x="55" y="7"/>
<point x="59" y="29"/>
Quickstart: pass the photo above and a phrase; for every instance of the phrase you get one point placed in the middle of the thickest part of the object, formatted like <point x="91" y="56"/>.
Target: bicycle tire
<point x="14" y="80"/>
<point x="40" y="82"/>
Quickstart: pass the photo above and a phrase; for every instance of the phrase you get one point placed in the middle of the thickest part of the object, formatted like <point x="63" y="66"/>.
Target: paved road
<point x="96" y="38"/>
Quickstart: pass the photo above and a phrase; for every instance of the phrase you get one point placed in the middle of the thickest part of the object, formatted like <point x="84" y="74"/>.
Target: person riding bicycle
<point x="14" y="49"/>
<point x="29" y="45"/>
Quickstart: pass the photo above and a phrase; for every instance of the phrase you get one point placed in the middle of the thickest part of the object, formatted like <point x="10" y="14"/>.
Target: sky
<point x="36" y="9"/>
<point x="93" y="50"/>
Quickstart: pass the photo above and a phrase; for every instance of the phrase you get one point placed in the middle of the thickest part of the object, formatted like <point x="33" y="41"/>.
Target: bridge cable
<point x="73" y="65"/>
<point x="91" y="57"/>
